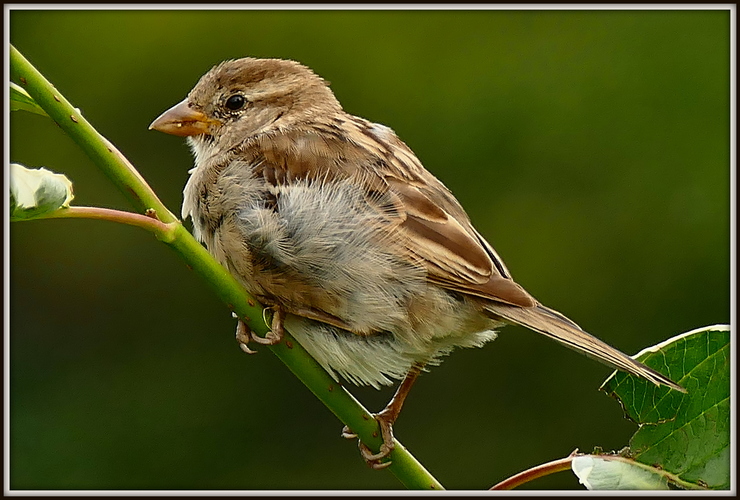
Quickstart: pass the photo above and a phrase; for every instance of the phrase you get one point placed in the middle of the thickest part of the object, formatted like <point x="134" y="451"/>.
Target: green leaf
<point x="37" y="192"/>
<point x="20" y="100"/>
<point x="686" y="434"/>
<point x="613" y="472"/>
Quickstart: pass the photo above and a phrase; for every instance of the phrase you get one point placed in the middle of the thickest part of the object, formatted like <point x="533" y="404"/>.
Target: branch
<point x="405" y="467"/>
<point x="542" y="470"/>
<point x="163" y="231"/>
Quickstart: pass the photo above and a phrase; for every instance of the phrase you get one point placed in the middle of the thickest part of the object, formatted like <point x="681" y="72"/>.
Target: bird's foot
<point x="244" y="335"/>
<point x="375" y="460"/>
<point x="386" y="419"/>
<point x="277" y="331"/>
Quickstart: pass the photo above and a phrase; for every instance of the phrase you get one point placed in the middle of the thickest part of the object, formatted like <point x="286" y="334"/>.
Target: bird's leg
<point x="386" y="418"/>
<point x="275" y="335"/>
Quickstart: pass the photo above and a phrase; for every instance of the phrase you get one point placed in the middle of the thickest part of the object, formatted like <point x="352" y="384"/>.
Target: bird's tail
<point x="557" y="327"/>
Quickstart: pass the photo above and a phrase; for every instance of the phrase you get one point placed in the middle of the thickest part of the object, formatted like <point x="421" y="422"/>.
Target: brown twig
<point x="528" y="475"/>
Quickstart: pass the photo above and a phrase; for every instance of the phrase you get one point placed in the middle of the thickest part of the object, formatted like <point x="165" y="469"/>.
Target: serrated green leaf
<point x="37" y="192"/>
<point x="21" y="101"/>
<point x="686" y="434"/>
<point x="610" y="472"/>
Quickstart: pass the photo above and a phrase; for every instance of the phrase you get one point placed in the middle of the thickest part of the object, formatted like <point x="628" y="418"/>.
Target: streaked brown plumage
<point x="333" y="221"/>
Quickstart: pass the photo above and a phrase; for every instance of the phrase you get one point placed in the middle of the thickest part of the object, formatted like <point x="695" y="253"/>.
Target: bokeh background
<point x="591" y="148"/>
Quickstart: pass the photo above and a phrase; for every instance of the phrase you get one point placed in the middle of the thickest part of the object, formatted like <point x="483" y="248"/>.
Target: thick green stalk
<point x="405" y="467"/>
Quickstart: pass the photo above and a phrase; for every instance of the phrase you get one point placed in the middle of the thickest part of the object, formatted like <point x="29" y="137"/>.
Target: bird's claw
<point x="244" y="334"/>
<point x="277" y="331"/>
<point x="270" y="339"/>
<point x="374" y="460"/>
<point x="243" y="337"/>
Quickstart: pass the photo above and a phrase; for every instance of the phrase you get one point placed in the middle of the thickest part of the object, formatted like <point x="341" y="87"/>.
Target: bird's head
<point x="241" y="98"/>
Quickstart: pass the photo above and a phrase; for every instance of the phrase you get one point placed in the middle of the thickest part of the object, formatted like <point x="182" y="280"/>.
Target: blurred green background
<point x="591" y="148"/>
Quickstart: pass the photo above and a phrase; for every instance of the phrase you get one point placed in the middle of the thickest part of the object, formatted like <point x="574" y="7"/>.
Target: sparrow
<point x="330" y="220"/>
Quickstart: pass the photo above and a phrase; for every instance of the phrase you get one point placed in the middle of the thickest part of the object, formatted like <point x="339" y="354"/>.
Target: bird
<point x="334" y="224"/>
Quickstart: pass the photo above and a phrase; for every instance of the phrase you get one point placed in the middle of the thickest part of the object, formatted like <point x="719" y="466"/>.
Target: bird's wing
<point x="455" y="255"/>
<point x="420" y="212"/>
<point x="433" y="226"/>
<point x="438" y="232"/>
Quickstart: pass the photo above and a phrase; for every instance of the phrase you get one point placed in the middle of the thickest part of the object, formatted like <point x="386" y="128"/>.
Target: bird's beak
<point x="184" y="121"/>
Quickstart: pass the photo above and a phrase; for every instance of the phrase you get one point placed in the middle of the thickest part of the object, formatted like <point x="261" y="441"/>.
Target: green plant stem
<point x="167" y="228"/>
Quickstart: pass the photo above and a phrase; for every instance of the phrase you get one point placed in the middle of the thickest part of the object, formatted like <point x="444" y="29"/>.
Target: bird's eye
<point x="235" y="102"/>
